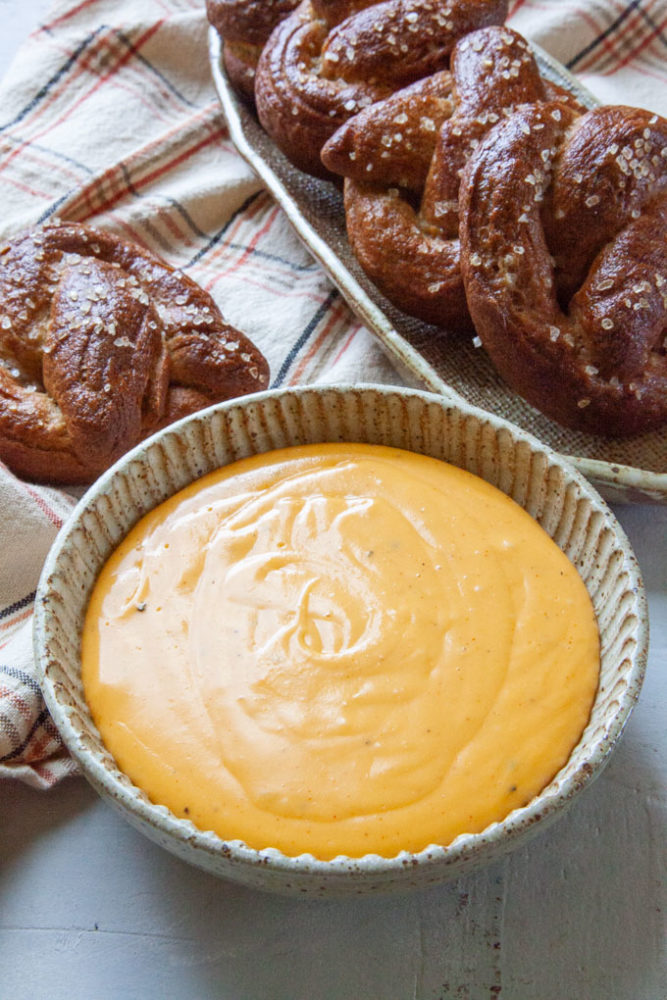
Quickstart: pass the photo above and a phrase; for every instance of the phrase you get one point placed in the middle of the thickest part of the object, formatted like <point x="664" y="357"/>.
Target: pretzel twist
<point x="102" y="343"/>
<point x="402" y="159"/>
<point x="244" y="27"/>
<point x="329" y="59"/>
<point x="564" y="236"/>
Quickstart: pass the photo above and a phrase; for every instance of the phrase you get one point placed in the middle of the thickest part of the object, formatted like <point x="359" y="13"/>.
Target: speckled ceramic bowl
<point x="541" y="482"/>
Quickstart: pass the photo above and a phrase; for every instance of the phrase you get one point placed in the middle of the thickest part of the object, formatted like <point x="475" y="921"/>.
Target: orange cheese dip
<point x="340" y="649"/>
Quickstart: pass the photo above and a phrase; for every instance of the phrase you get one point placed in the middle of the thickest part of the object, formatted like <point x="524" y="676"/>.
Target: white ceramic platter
<point x="633" y="470"/>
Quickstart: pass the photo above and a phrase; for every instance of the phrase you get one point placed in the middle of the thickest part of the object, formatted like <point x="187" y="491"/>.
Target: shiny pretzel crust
<point x="328" y="61"/>
<point x="102" y="343"/>
<point x="564" y="257"/>
<point x="244" y="27"/>
<point x="402" y="159"/>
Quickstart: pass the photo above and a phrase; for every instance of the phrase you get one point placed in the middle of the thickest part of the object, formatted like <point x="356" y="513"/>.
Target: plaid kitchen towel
<point x="108" y="115"/>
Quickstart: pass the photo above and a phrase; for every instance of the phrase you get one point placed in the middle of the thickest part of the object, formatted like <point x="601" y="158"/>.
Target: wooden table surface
<point x="91" y="910"/>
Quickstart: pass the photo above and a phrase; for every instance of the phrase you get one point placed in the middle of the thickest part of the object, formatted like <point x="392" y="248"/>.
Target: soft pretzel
<point x="102" y="343"/>
<point x="244" y="26"/>
<point x="564" y="254"/>
<point x="331" y="58"/>
<point x="402" y="160"/>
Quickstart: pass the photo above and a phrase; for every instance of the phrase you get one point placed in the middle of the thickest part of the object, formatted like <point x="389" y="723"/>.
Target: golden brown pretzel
<point x="244" y="26"/>
<point x="331" y="58"/>
<point x="102" y="343"/>
<point x="402" y="160"/>
<point x="564" y="237"/>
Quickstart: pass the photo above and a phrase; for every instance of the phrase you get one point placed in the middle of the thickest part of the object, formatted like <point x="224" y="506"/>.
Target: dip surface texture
<point x="340" y="649"/>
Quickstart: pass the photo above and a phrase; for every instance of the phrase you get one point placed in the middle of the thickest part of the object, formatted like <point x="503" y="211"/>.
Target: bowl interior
<point x="552" y="492"/>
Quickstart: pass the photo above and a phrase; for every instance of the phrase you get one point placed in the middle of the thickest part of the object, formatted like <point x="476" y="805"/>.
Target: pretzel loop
<point x="244" y="27"/>
<point x="327" y="61"/>
<point x="402" y="159"/>
<point x="563" y="229"/>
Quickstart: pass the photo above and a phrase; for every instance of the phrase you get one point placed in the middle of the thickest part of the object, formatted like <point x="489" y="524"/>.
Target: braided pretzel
<point x="331" y="58"/>
<point x="409" y="150"/>
<point x="244" y="26"/>
<point x="102" y="343"/>
<point x="564" y="255"/>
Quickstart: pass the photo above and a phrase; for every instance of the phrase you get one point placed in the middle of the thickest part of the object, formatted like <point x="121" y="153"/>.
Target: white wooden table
<point x="90" y="910"/>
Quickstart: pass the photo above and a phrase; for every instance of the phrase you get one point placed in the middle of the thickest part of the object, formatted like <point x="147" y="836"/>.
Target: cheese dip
<point x="340" y="649"/>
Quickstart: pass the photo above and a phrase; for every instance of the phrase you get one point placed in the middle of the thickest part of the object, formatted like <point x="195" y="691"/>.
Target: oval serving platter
<point x="626" y="471"/>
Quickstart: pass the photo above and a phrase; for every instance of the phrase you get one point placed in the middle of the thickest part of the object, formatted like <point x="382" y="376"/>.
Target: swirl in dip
<point x="340" y="649"/>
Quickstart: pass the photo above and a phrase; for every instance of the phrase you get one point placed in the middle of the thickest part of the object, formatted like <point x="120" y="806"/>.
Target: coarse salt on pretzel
<point x="564" y="257"/>
<point x="328" y="60"/>
<point x="402" y="160"/>
<point x="102" y="343"/>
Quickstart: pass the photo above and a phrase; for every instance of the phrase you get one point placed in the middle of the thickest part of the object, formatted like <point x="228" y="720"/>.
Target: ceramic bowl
<point x="566" y="506"/>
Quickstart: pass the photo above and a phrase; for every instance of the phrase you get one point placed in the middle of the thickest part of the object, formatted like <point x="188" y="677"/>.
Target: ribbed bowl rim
<point x="441" y="862"/>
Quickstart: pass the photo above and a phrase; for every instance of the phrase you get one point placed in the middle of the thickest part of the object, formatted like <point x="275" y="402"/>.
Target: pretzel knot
<point x="244" y="27"/>
<point x="102" y="343"/>
<point x="329" y="59"/>
<point x="564" y="256"/>
<point x="402" y="160"/>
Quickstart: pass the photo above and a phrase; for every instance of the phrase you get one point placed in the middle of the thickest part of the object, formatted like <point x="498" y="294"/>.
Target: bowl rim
<point x="498" y="837"/>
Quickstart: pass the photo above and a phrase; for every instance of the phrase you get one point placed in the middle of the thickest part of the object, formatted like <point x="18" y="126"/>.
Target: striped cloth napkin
<point x="108" y="115"/>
